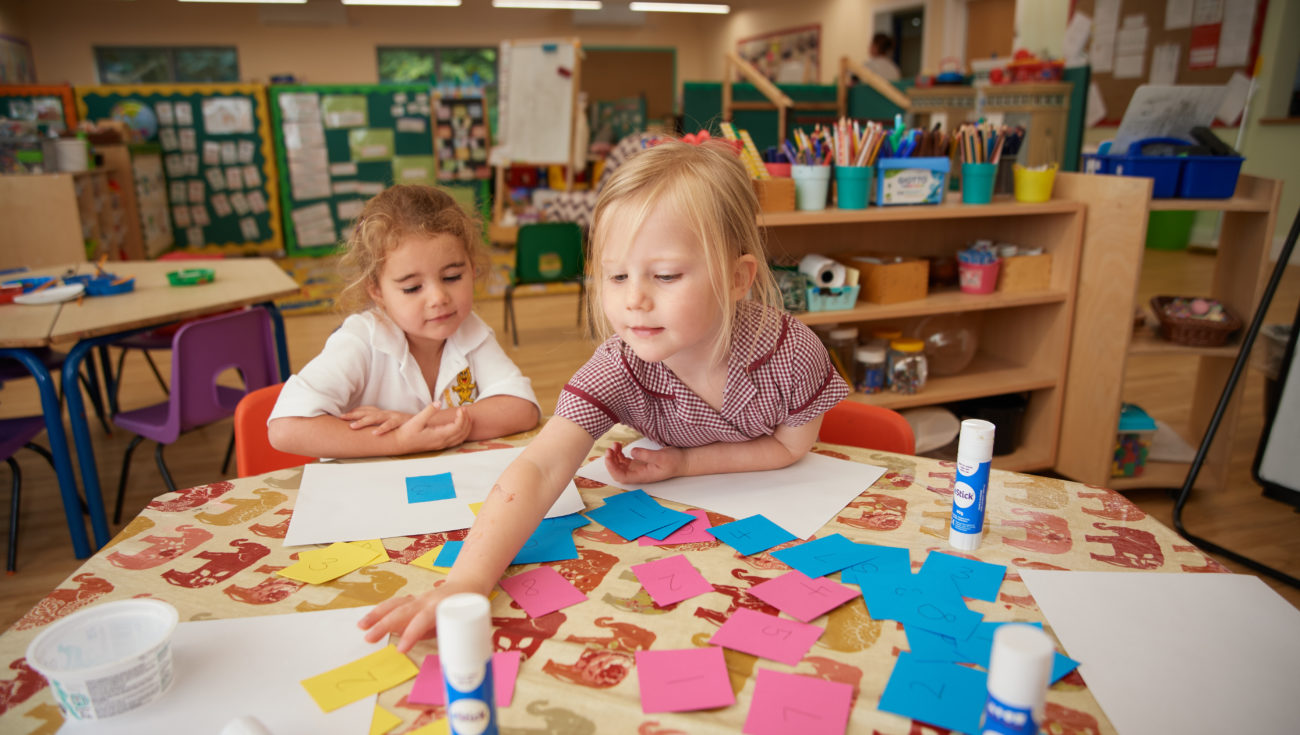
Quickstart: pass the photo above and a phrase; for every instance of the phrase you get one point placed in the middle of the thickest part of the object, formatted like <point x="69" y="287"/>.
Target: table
<point x="99" y="321"/>
<point x="213" y="550"/>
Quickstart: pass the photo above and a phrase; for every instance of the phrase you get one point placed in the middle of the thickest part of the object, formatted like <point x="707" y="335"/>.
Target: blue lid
<point x="1133" y="418"/>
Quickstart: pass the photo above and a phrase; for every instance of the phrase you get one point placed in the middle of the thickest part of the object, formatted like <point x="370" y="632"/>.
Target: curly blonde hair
<point x="708" y="188"/>
<point x="398" y="212"/>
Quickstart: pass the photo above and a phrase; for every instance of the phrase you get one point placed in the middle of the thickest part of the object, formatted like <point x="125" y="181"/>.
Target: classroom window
<point x="142" y="64"/>
<point x="458" y="66"/>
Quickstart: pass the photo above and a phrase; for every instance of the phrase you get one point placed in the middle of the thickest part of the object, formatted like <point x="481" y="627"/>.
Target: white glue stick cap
<point x="1020" y="666"/>
<point x="976" y="440"/>
<point x="464" y="630"/>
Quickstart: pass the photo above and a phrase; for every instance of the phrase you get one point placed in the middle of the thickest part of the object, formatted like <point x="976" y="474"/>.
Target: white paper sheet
<point x="1178" y="14"/>
<point x="1159" y="111"/>
<point x="252" y="666"/>
<point x="1131" y="47"/>
<point x="354" y="502"/>
<point x="1178" y="653"/>
<point x="1164" y="63"/>
<point x="1075" y="47"/>
<point x="1234" y="98"/>
<point x="800" y="498"/>
<point x="1104" y="24"/>
<point x="1235" y="34"/>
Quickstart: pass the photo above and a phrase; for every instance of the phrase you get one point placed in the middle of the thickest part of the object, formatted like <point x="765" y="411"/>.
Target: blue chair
<point x="16" y="434"/>
<point x="201" y="352"/>
<point x="546" y="252"/>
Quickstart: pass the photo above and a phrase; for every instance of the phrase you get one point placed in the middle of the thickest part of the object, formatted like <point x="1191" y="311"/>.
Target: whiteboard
<point x="1278" y="463"/>
<point x="538" y="93"/>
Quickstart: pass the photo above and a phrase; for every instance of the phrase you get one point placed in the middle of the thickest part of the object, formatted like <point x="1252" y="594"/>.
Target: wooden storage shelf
<point x="1103" y="338"/>
<point x="1024" y="337"/>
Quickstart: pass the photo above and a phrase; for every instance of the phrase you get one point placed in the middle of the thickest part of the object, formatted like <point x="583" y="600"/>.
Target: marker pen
<point x="1020" y="668"/>
<point x="465" y="653"/>
<point x="974" y="457"/>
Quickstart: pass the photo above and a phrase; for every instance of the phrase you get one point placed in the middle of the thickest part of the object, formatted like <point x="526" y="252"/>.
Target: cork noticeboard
<point x="1214" y="40"/>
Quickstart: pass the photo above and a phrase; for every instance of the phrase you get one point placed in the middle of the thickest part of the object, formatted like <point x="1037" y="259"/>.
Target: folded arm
<point x="787" y="445"/>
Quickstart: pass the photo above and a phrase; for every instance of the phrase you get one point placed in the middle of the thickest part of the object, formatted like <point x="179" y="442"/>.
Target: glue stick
<point x="465" y="654"/>
<point x="1020" y="668"/>
<point x="974" y="456"/>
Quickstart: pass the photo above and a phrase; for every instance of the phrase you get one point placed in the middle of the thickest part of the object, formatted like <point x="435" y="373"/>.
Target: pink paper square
<point x="428" y="684"/>
<point x="786" y="703"/>
<point x="671" y="580"/>
<point x="541" y="591"/>
<point x="768" y="636"/>
<point x="802" y="597"/>
<point x="683" y="680"/>
<point x="691" y="533"/>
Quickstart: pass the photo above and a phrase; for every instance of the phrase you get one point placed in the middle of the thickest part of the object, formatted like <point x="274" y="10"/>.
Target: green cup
<point x="852" y="185"/>
<point x="977" y="182"/>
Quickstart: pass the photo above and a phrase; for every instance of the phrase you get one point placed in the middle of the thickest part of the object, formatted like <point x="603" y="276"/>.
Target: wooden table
<point x="213" y="550"/>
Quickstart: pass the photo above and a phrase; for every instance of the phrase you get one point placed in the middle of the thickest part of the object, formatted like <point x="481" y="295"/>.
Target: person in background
<point x="413" y="369"/>
<point x="882" y="58"/>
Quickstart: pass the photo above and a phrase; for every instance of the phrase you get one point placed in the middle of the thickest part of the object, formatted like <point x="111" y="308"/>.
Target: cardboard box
<point x="889" y="279"/>
<point x="1025" y="273"/>
<point x="775" y="195"/>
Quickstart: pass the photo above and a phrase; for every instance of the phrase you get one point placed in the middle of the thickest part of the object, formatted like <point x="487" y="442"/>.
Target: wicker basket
<point x="1193" y="332"/>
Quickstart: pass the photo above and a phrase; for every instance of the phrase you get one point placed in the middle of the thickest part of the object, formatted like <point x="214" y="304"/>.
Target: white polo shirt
<point x="367" y="362"/>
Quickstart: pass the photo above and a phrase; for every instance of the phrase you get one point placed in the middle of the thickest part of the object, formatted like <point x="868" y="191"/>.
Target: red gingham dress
<point x="777" y="375"/>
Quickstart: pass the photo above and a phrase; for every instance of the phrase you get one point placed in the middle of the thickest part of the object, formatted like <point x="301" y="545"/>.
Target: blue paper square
<point x="823" y="556"/>
<point x="450" y="551"/>
<point x="424" y="488"/>
<point x="895" y="596"/>
<point x="978" y="649"/>
<point x="552" y="541"/>
<point x="751" y="535"/>
<point x="634" y="514"/>
<point x="941" y="694"/>
<point x="972" y="578"/>
<point x="943" y="615"/>
<point x="880" y="560"/>
<point x="642" y="501"/>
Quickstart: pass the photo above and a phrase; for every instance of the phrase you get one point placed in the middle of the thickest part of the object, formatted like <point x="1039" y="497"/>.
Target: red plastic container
<point x="978" y="278"/>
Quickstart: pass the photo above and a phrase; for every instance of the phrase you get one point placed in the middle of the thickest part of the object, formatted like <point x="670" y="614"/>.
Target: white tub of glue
<point x="107" y="659"/>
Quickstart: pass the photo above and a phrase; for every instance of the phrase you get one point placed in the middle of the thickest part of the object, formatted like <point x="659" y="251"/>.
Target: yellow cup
<point x="1034" y="186"/>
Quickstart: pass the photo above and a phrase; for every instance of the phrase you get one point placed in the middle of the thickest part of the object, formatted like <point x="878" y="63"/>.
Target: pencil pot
<point x="851" y="186"/>
<point x="778" y="170"/>
<point x="811" y="185"/>
<point x="1034" y="186"/>
<point x="977" y="182"/>
<point x="978" y="277"/>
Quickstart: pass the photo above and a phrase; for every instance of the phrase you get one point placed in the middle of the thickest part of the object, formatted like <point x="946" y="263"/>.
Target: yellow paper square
<point x="321" y="565"/>
<point x="383" y="721"/>
<point x="427" y="559"/>
<point x="381" y="670"/>
<point x="437" y="727"/>
<point x="376" y="546"/>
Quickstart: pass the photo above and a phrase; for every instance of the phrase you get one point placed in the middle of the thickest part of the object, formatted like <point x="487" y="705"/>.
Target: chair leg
<point x="162" y="467"/>
<point x="121" y="481"/>
<point x="49" y="459"/>
<point x="154" y="367"/>
<point x="11" y="560"/>
<point x="91" y="383"/>
<point x="230" y="452"/>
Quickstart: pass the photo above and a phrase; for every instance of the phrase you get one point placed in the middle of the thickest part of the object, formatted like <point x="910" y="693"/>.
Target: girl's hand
<point x="410" y="616"/>
<point x="421" y="433"/>
<point x="645" y="465"/>
<point x="384" y="421"/>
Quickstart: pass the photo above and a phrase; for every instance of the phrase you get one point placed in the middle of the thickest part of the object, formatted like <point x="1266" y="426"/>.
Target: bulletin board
<point x="216" y="143"/>
<point x="49" y="104"/>
<point x="1213" y="38"/>
<point x="461" y="137"/>
<point x="339" y="145"/>
<point x="787" y="56"/>
<point x="539" y="99"/>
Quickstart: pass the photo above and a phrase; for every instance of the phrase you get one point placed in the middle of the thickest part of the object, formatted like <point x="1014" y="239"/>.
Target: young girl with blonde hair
<point x="698" y="357"/>
<point x="413" y="369"/>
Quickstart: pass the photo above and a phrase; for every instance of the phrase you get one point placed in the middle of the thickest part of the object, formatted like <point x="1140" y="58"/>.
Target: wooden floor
<point x="552" y="347"/>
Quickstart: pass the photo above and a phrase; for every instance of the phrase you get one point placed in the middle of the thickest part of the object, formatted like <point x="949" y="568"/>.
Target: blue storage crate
<point x="837" y="298"/>
<point x="1209" y="177"/>
<point x="1164" y="171"/>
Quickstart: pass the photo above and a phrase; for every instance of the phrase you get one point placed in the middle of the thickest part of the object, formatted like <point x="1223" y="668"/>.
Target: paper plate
<point x="52" y="295"/>
<point x="934" y="427"/>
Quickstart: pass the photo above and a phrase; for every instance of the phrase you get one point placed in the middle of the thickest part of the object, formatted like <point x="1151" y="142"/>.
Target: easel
<point x="504" y="234"/>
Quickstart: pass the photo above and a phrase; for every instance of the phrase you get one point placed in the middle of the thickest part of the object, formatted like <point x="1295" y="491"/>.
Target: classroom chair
<point x="201" y="351"/>
<point x="863" y="425"/>
<point x="11" y="369"/>
<point x="546" y="252"/>
<point x="15" y="434"/>
<point x="254" y="454"/>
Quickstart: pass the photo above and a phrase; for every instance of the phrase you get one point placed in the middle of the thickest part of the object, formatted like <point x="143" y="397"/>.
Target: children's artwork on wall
<point x="614" y="120"/>
<point x="48" y="105"/>
<point x="787" y="56"/>
<point x="338" y="146"/>
<point x="216" y="152"/>
<point x="461" y="133"/>
<point x="16" y="66"/>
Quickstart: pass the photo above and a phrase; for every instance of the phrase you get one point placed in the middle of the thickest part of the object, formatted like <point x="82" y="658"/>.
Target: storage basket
<point x="832" y="299"/>
<point x="1191" y="331"/>
<point x="775" y="195"/>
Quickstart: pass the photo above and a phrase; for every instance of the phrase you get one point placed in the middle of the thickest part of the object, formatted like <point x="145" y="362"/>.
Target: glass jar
<point x="869" y="377"/>
<point x="907" y="366"/>
<point x="841" y="344"/>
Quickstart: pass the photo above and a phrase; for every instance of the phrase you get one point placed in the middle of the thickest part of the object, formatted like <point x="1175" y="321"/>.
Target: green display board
<point x="49" y="106"/>
<point x="339" y="145"/>
<point x="216" y="142"/>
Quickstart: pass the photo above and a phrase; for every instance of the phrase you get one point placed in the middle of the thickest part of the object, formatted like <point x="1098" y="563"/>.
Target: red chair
<point x="254" y="454"/>
<point x="863" y="425"/>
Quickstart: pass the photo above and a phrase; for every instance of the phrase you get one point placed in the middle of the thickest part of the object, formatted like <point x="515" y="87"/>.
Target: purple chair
<point x="15" y="434"/>
<point x="201" y="351"/>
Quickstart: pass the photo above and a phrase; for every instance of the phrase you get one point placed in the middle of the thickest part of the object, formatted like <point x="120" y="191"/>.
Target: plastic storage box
<point x="911" y="180"/>
<point x="1136" y="429"/>
<point x="832" y="298"/>
<point x="1189" y="177"/>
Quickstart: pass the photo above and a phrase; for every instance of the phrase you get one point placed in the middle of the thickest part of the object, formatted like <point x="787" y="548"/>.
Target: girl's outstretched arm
<point x="524" y="492"/>
<point x="782" y="449"/>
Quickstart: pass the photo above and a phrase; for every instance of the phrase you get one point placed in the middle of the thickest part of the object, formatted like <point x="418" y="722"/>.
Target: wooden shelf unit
<point x="1023" y="337"/>
<point x="1104" y="339"/>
